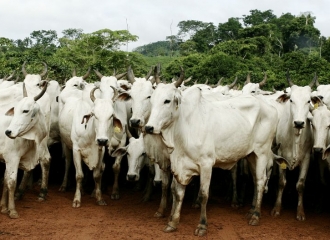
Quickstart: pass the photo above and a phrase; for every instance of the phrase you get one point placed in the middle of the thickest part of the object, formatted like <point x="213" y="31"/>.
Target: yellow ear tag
<point x="117" y="129"/>
<point x="283" y="165"/>
<point x="316" y="105"/>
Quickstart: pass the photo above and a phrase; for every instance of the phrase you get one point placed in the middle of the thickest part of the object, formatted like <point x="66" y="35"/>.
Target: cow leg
<point x="22" y="187"/>
<point x="148" y="190"/>
<point x="97" y="174"/>
<point x="68" y="161"/>
<point x="259" y="166"/>
<point x="4" y="198"/>
<point x="116" y="170"/>
<point x="178" y="192"/>
<point x="234" y="200"/>
<point x="10" y="181"/>
<point x="165" y="175"/>
<point x="281" y="185"/>
<point x="79" y="177"/>
<point x="45" y="164"/>
<point x="205" y="180"/>
<point x="300" y="186"/>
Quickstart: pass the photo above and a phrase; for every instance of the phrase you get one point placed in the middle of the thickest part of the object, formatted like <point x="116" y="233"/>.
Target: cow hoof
<point x="196" y="206"/>
<point x="301" y="217"/>
<point x="236" y="205"/>
<point x="158" y="215"/>
<point x="101" y="203"/>
<point x="13" y="215"/>
<point x="169" y="229"/>
<point x="115" y="196"/>
<point x="275" y="213"/>
<point x="62" y="189"/>
<point x="4" y="210"/>
<point x="200" y="231"/>
<point x="41" y="199"/>
<point x="76" y="204"/>
<point x="254" y="221"/>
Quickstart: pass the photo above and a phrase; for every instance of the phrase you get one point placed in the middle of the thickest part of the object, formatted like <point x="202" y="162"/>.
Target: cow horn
<point x="180" y="80"/>
<point x="121" y="75"/>
<point x="233" y="83"/>
<point x="263" y="82"/>
<point x="248" y="79"/>
<point x="317" y="83"/>
<point x="115" y="93"/>
<point x="156" y="74"/>
<point x="313" y="81"/>
<point x="24" y="70"/>
<point x="98" y="74"/>
<point x="149" y="73"/>
<point x="74" y="73"/>
<point x="36" y="98"/>
<point x="130" y="75"/>
<point x="207" y="81"/>
<point x="219" y="82"/>
<point x="24" y="90"/>
<point x="288" y="78"/>
<point x="188" y="79"/>
<point x="7" y="78"/>
<point x="16" y="80"/>
<point x="195" y="82"/>
<point x="87" y="74"/>
<point x="114" y="72"/>
<point x="45" y="70"/>
<point x="92" y="94"/>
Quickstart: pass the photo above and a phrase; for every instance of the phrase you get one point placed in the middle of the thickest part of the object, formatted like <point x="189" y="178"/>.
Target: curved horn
<point x="313" y="81"/>
<point x="23" y="69"/>
<point x="274" y="90"/>
<point x="45" y="70"/>
<point x="180" y="80"/>
<point x="195" y="82"/>
<point x="98" y="74"/>
<point x="74" y="72"/>
<point x="24" y="90"/>
<point x="156" y="74"/>
<point x="16" y="80"/>
<point x="7" y="78"/>
<point x="130" y="75"/>
<point x="233" y="83"/>
<point x="87" y="74"/>
<point x="149" y="73"/>
<point x="207" y="81"/>
<point x="92" y="94"/>
<point x="248" y="79"/>
<point x="121" y="75"/>
<point x="188" y="79"/>
<point x="219" y="82"/>
<point x="288" y="78"/>
<point x="317" y="82"/>
<point x="36" y="98"/>
<point x="114" y="72"/>
<point x="263" y="82"/>
<point x="115" y="93"/>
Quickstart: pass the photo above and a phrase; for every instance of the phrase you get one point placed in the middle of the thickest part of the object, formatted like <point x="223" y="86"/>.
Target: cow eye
<point x="290" y="100"/>
<point x="143" y="154"/>
<point x="309" y="101"/>
<point x="75" y="85"/>
<point x="253" y="91"/>
<point x="148" y="97"/>
<point x="25" y="111"/>
<point x="167" y="101"/>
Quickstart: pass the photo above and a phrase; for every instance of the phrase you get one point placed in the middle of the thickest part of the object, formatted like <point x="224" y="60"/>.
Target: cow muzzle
<point x="135" y="122"/>
<point x="299" y="124"/>
<point x="8" y="133"/>
<point x="102" y="142"/>
<point x="149" y="129"/>
<point x="318" y="150"/>
<point x="131" y="177"/>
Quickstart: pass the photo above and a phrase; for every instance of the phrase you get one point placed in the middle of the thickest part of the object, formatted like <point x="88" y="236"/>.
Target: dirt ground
<point x="129" y="218"/>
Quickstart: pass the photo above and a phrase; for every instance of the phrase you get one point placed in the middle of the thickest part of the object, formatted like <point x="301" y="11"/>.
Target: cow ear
<point x="316" y="100"/>
<point x="124" y="86"/>
<point x="326" y="153"/>
<point x="87" y="117"/>
<point x="283" y="98"/>
<point x="117" y="126"/>
<point x="125" y="96"/>
<point x="282" y="162"/>
<point x="119" y="152"/>
<point x="10" y="112"/>
<point x="35" y="110"/>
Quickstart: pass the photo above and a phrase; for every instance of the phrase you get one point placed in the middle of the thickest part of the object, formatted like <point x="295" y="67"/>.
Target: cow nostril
<point x="149" y="129"/>
<point x="7" y="132"/>
<point x="131" y="177"/>
<point x="299" y="124"/>
<point x="318" y="150"/>
<point x="102" y="142"/>
<point x="135" y="122"/>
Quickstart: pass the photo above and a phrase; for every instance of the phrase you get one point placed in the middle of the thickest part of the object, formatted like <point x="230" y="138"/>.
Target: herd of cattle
<point x="180" y="131"/>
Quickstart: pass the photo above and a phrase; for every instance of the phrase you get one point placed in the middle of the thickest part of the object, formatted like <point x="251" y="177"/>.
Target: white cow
<point x="323" y="92"/>
<point x="294" y="134"/>
<point x="245" y="127"/>
<point x="25" y="130"/>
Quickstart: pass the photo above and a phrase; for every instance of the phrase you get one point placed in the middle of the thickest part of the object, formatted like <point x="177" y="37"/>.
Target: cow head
<point x="136" y="154"/>
<point x="25" y="115"/>
<point x="253" y="88"/>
